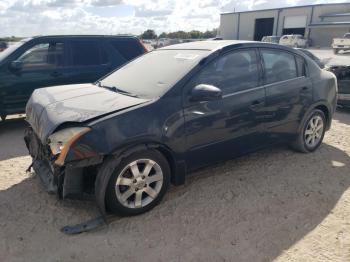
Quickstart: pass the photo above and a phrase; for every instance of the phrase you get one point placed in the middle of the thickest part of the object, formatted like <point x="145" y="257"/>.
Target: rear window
<point x="128" y="48"/>
<point x="279" y="66"/>
<point x="87" y="53"/>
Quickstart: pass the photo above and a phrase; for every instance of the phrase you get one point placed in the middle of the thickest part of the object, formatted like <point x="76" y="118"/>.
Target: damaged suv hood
<point x="50" y="107"/>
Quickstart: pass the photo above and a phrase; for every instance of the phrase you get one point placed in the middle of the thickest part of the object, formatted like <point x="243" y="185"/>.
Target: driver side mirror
<point x="16" y="65"/>
<point x="204" y="92"/>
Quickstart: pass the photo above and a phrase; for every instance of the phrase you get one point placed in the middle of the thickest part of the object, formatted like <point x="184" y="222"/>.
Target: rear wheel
<point x="138" y="183"/>
<point x="312" y="133"/>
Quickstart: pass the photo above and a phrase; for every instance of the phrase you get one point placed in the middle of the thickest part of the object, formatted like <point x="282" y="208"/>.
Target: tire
<point x="335" y="51"/>
<point x="3" y="117"/>
<point x="130" y="191"/>
<point x="311" y="129"/>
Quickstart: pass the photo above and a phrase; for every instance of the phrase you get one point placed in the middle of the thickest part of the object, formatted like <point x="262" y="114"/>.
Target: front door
<point x="39" y="65"/>
<point x="224" y="128"/>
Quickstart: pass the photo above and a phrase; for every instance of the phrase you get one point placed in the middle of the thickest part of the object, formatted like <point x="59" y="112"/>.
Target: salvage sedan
<point x="127" y="137"/>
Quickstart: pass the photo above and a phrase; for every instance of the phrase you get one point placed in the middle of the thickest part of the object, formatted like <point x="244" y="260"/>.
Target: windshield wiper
<point x="115" y="89"/>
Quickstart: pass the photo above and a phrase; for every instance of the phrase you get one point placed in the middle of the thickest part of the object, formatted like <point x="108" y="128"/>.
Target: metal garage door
<point x="294" y="25"/>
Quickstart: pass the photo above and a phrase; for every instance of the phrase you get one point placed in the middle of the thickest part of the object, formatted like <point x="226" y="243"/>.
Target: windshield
<point x="11" y="48"/>
<point x="153" y="74"/>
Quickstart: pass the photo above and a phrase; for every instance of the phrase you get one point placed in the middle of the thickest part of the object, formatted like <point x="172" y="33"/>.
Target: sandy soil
<point x="274" y="205"/>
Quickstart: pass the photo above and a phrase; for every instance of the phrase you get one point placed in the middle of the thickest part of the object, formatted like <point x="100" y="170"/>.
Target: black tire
<point x="300" y="144"/>
<point x="335" y="51"/>
<point x="113" y="204"/>
<point x="3" y="117"/>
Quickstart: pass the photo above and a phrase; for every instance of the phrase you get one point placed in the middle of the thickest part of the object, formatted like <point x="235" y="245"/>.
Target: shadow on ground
<point x="248" y="209"/>
<point x="11" y="138"/>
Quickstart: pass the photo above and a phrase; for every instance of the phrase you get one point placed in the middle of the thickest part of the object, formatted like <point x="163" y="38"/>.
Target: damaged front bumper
<point x="42" y="162"/>
<point x="67" y="181"/>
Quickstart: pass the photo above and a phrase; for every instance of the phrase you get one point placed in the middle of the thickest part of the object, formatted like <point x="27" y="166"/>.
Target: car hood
<point x="50" y="107"/>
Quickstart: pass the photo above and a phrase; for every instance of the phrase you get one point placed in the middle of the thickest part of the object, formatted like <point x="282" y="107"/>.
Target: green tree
<point x="149" y="34"/>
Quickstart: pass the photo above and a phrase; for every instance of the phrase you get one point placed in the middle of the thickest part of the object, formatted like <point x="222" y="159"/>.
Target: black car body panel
<point x="189" y="133"/>
<point x="48" y="108"/>
<point x="59" y="60"/>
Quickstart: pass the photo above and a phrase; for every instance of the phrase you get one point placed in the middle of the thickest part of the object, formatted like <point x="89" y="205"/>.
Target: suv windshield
<point x="153" y="74"/>
<point x="11" y="48"/>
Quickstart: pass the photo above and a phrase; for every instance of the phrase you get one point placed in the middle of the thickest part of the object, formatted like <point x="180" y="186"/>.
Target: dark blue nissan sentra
<point x="127" y="137"/>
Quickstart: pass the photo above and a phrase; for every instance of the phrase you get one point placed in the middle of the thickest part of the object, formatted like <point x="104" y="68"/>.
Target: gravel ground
<point x="273" y="205"/>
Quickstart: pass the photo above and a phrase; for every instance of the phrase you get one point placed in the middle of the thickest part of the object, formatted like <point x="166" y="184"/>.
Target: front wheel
<point x="138" y="183"/>
<point x="311" y="135"/>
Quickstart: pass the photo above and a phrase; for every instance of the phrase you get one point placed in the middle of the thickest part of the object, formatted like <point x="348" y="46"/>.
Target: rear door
<point x="288" y="90"/>
<point x="218" y="130"/>
<point x="42" y="63"/>
<point x="88" y="60"/>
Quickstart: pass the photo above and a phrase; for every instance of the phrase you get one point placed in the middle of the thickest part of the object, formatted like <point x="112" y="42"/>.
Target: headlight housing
<point x="61" y="141"/>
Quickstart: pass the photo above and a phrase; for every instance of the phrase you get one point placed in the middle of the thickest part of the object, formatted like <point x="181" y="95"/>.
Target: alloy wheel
<point x="314" y="131"/>
<point x="139" y="183"/>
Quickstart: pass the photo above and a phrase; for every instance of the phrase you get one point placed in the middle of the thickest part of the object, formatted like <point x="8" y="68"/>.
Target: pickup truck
<point x="341" y="43"/>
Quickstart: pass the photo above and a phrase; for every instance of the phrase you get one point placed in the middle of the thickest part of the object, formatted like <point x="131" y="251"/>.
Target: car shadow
<point x="248" y="209"/>
<point x="11" y="131"/>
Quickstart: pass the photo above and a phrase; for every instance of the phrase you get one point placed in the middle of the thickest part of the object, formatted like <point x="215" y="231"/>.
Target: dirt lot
<point x="272" y="205"/>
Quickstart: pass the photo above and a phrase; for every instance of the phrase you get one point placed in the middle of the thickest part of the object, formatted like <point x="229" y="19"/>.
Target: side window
<point x="232" y="72"/>
<point x="128" y="48"/>
<point x="279" y="66"/>
<point x="87" y="53"/>
<point x="301" y="66"/>
<point x="45" y="55"/>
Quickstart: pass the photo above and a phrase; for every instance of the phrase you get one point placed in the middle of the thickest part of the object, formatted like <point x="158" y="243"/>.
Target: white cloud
<point x="35" y="17"/>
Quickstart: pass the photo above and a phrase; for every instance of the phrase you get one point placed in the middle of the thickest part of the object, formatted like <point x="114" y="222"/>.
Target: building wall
<point x="319" y="36"/>
<point x="247" y="23"/>
<point x="228" y="26"/>
<point x="323" y="37"/>
<point x="306" y="11"/>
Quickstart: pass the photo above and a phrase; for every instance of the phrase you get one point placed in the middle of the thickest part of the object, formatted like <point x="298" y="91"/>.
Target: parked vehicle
<point x="342" y="72"/>
<point x="59" y="60"/>
<point x="271" y="39"/>
<point x="313" y="57"/>
<point x="172" y="111"/>
<point x="294" y="41"/>
<point x="3" y="46"/>
<point x="340" y="44"/>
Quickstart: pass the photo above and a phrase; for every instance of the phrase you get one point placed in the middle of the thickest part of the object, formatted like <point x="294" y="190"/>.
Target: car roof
<point x="213" y="46"/>
<point x="84" y="36"/>
<point x="209" y="45"/>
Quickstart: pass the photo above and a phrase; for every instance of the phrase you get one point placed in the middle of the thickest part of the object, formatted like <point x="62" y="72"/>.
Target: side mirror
<point x="204" y="92"/>
<point x="16" y="65"/>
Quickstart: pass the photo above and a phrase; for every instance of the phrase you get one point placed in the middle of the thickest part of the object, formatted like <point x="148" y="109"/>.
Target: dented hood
<point x="50" y="107"/>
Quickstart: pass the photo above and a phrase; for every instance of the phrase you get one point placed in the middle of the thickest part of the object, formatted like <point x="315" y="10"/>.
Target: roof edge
<point x="287" y="7"/>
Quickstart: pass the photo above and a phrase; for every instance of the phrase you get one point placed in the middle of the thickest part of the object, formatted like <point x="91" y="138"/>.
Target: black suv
<point x="59" y="60"/>
<point x="171" y="111"/>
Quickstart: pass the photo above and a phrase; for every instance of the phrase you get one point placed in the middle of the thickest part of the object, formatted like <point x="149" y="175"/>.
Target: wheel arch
<point x="324" y="107"/>
<point x="177" y="167"/>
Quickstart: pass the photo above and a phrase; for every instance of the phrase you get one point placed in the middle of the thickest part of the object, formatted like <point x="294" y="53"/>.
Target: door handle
<point x="257" y="104"/>
<point x="56" y="74"/>
<point x="304" y="89"/>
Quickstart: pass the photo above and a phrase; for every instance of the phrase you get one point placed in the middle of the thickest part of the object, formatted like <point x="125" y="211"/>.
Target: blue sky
<point x="38" y="17"/>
